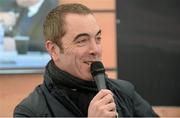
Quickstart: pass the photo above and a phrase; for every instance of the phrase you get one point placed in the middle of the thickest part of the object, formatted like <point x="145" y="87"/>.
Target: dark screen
<point x="148" y="41"/>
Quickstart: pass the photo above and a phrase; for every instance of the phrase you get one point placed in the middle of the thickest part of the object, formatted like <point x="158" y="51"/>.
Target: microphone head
<point x="96" y="68"/>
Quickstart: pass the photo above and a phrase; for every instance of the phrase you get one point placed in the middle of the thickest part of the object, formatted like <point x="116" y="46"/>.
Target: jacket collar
<point x="62" y="79"/>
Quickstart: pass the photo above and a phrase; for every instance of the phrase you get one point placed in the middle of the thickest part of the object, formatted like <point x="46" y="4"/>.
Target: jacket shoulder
<point x="123" y="86"/>
<point x="31" y="105"/>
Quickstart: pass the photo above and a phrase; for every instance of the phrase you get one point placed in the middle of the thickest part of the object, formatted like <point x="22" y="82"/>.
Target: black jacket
<point x="47" y="100"/>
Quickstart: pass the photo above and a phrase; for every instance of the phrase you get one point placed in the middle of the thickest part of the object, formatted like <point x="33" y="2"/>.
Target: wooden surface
<point x="13" y="88"/>
<point x="94" y="4"/>
<point x="167" y="111"/>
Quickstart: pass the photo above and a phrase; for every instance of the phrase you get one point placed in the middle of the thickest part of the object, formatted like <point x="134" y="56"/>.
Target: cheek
<point x="73" y="56"/>
<point x="79" y="53"/>
<point x="79" y="56"/>
<point x="100" y="50"/>
<point x="99" y="54"/>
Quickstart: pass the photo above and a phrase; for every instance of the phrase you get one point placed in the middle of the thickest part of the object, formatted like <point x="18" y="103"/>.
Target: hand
<point x="102" y="105"/>
<point x="8" y="18"/>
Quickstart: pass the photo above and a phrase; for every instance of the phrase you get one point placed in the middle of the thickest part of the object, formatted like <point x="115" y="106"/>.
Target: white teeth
<point x="91" y="60"/>
<point x="88" y="62"/>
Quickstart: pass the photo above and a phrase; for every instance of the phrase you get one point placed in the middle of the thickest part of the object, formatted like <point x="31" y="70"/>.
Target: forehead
<point x="76" y="23"/>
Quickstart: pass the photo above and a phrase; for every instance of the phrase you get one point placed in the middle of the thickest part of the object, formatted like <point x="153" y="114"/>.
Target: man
<point x="30" y="21"/>
<point x="73" y="39"/>
<point x="8" y="14"/>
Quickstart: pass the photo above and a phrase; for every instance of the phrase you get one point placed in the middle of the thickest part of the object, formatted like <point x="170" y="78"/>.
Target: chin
<point x="88" y="78"/>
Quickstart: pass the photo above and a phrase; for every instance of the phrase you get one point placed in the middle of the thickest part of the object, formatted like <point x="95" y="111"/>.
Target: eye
<point x="81" y="41"/>
<point x="98" y="39"/>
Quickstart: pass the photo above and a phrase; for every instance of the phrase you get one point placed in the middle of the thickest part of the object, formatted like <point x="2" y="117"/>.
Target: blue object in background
<point x="1" y="33"/>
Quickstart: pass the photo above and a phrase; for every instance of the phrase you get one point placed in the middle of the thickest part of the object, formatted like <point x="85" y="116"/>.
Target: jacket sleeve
<point x="142" y="107"/>
<point x="33" y="105"/>
<point x="22" y="111"/>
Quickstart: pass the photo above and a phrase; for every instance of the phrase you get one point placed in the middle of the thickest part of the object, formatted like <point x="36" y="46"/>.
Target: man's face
<point x="81" y="45"/>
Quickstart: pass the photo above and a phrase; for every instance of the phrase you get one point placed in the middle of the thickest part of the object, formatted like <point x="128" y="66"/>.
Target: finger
<point x="111" y="114"/>
<point x="106" y="99"/>
<point x="111" y="106"/>
<point x="101" y="94"/>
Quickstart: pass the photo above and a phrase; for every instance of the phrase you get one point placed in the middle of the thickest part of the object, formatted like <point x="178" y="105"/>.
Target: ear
<point x="52" y="49"/>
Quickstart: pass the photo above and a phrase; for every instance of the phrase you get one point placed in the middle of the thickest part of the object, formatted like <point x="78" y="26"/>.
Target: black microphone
<point x="98" y="73"/>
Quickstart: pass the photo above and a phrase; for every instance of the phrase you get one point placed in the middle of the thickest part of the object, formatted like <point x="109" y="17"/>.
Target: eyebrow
<point x="99" y="32"/>
<point x="85" y="34"/>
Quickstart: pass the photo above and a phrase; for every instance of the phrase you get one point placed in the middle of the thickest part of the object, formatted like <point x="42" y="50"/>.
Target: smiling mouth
<point x="91" y="60"/>
<point x="88" y="62"/>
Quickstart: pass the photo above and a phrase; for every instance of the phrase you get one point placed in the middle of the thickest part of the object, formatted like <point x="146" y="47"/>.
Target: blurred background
<point x="141" y="44"/>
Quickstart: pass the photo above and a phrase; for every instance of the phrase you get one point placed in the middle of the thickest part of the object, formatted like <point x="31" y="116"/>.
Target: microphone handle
<point x="100" y="81"/>
<point x="101" y="84"/>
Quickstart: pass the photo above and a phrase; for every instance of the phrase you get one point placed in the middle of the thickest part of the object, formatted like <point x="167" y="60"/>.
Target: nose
<point x="94" y="48"/>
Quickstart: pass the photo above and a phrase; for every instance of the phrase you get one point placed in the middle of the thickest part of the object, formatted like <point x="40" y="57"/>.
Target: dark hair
<point x="54" y="24"/>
